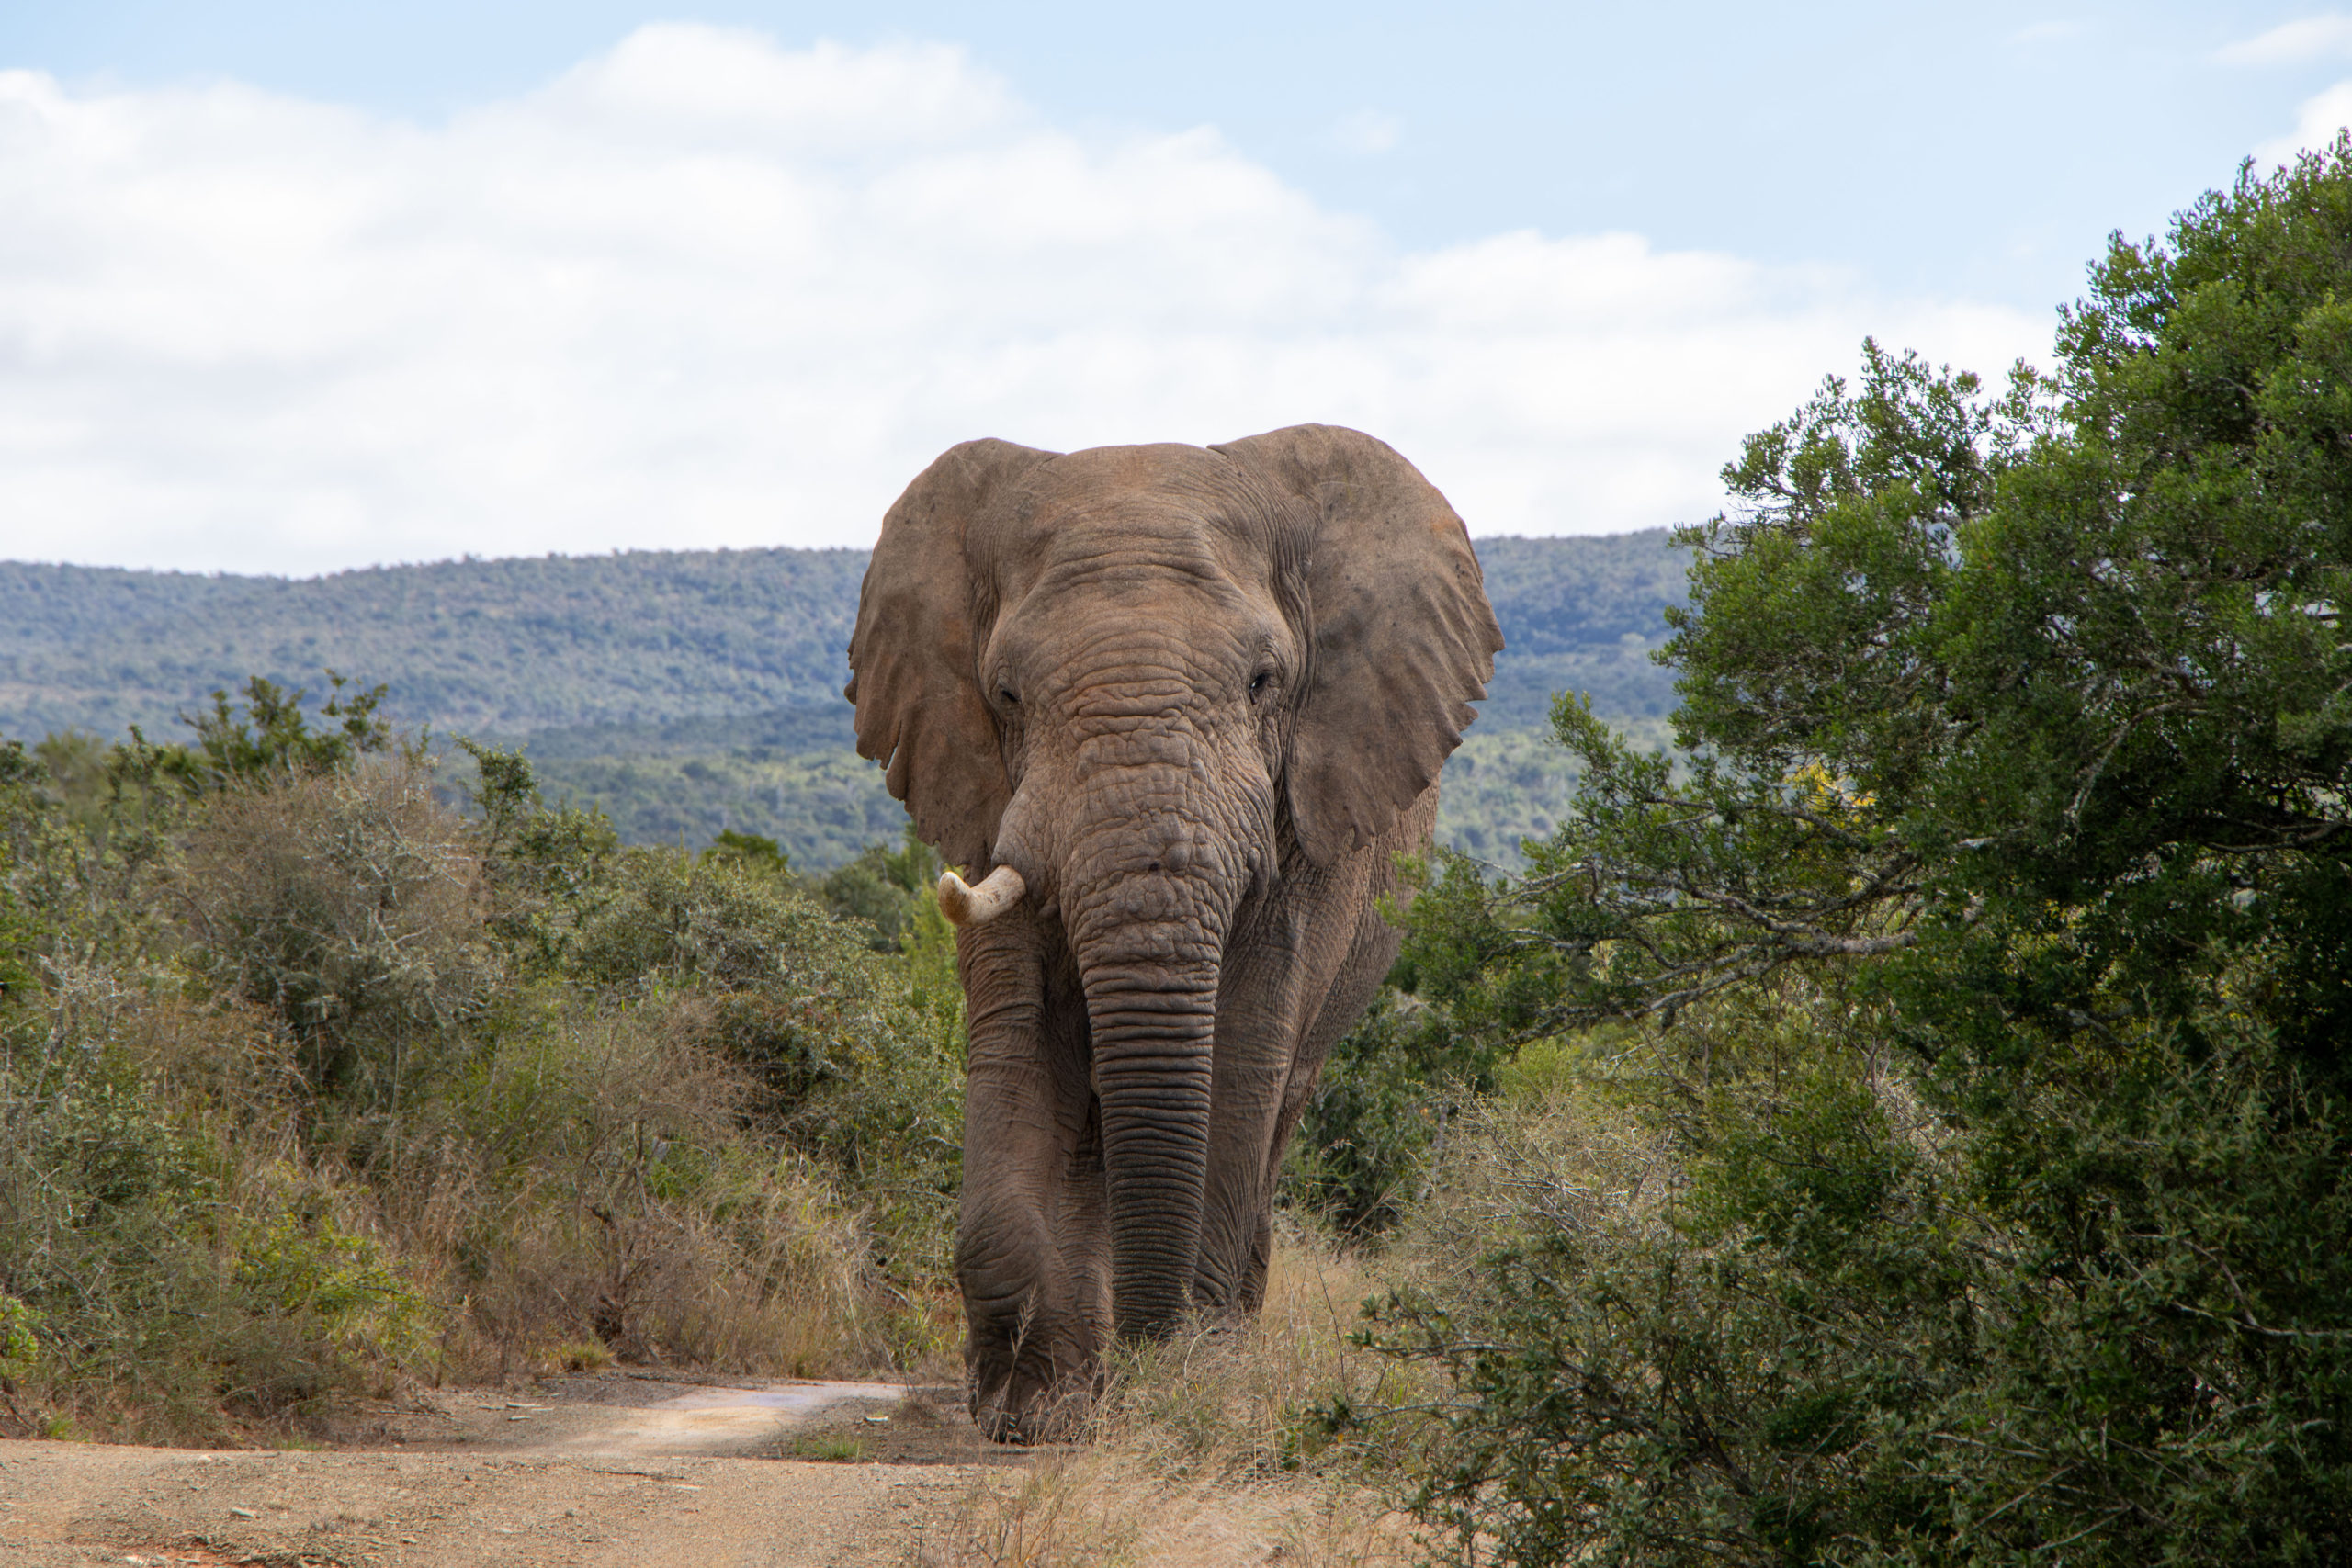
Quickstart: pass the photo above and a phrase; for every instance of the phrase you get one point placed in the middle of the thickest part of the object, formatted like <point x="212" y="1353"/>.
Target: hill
<point x="691" y="691"/>
<point x="504" y="646"/>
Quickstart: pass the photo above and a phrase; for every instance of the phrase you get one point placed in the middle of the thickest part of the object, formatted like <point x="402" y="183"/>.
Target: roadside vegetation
<point x="1932" y="1111"/>
<point x="1904" y="1120"/>
<point x="315" y="1082"/>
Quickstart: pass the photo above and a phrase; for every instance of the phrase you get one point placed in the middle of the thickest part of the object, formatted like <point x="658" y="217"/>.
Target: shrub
<point x="857" y="1068"/>
<point x="885" y="887"/>
<point x="589" y="1177"/>
<point x="174" y="1276"/>
<point x="351" y="903"/>
<point x="310" y="1084"/>
<point x="1363" y="1142"/>
<point x="2016" y="736"/>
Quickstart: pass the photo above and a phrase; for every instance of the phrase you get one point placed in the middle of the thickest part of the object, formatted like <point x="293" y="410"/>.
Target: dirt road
<point x="610" y="1470"/>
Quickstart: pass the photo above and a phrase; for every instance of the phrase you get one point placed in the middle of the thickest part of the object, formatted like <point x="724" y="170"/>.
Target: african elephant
<point x="1181" y="706"/>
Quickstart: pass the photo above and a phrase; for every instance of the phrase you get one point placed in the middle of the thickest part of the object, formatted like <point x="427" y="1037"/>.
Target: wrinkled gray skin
<point x="1197" y="698"/>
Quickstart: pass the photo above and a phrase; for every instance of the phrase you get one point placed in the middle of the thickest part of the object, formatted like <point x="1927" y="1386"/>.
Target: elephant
<point x="1175" y="712"/>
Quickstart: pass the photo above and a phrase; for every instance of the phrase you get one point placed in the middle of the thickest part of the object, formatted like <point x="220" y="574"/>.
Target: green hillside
<point x="507" y="646"/>
<point x="688" y="691"/>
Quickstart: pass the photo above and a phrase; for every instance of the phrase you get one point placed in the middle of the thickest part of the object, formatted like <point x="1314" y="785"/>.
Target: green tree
<point x="269" y="734"/>
<point x="885" y="887"/>
<point x="750" y="849"/>
<point x="2016" y="726"/>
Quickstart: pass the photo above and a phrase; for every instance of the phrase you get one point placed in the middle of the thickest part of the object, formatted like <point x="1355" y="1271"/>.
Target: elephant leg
<point x="1371" y="951"/>
<point x="1286" y="965"/>
<point x="1256" y="1018"/>
<point x="1032" y="1247"/>
<point x="1369" y="958"/>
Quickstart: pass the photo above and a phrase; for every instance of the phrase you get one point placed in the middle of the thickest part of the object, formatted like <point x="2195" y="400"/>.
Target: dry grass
<point x="1205" y="1453"/>
<point x="593" y="1183"/>
<point x="1562" y="1157"/>
<point x="587" y="1188"/>
<point x="1236" y="1401"/>
<point x="1102" y="1508"/>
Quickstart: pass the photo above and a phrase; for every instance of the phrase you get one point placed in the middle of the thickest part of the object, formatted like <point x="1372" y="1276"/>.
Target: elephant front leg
<point x="1257" y="1029"/>
<point x="1306" y="965"/>
<point x="1032" y="1251"/>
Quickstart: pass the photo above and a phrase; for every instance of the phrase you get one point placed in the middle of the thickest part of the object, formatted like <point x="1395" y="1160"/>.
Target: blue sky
<point x="1383" y="214"/>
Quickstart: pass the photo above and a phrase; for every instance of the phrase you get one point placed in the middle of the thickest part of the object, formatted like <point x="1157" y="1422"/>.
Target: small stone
<point x="244" y="1514"/>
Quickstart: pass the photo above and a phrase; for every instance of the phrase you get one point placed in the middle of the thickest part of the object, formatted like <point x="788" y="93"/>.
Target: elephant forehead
<point x="1135" y="644"/>
<point x="1181" y="506"/>
<point x="1169" y="469"/>
<point x="1108" y="598"/>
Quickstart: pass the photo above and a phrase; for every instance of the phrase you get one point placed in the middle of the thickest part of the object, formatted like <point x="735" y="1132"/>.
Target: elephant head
<point x="1134" y="693"/>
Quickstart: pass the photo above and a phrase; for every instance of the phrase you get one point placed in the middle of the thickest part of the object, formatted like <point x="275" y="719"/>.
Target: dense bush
<point x="311" y="1082"/>
<point x="1988" y="950"/>
<point x="1361" y="1155"/>
<point x="885" y="887"/>
<point x="351" y="903"/>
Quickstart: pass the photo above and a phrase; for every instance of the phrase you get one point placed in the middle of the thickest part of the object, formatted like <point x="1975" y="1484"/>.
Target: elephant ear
<point x="912" y="658"/>
<point x="1402" y="639"/>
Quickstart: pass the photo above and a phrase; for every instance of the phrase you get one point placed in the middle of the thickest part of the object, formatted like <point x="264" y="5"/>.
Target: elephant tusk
<point x="968" y="906"/>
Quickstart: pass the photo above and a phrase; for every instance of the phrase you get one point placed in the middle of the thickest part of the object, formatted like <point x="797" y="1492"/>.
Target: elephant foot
<point x="1012" y="1414"/>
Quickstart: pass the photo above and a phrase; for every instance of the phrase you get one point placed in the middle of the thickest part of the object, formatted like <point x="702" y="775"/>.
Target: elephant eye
<point x="1258" y="681"/>
<point x="1011" y="700"/>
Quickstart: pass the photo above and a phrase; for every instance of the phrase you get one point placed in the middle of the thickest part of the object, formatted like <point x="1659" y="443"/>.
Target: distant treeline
<point x="649" y="639"/>
<point x="497" y="647"/>
<point x="689" y="693"/>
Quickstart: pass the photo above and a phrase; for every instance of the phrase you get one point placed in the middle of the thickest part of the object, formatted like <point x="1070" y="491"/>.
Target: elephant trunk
<point x="1147" y="954"/>
<point x="1152" y="1036"/>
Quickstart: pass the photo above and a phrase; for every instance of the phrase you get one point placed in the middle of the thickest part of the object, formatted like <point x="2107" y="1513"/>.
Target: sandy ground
<point x="617" y="1468"/>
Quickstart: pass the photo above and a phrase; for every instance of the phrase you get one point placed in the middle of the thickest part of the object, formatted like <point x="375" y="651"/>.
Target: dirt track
<point x="615" y="1468"/>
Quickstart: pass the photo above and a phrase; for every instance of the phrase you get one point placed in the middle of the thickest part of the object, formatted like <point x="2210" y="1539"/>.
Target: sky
<point x="296" y="288"/>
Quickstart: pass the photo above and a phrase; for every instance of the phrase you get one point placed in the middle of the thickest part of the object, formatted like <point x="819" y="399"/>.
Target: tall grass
<point x="312" y="1086"/>
<point x="1206" y="1448"/>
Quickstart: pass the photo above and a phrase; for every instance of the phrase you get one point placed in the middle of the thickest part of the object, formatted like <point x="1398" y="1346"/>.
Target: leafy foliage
<point x="271" y="737"/>
<point x="2017" y="751"/>
<point x="310" y="1081"/>
<point x="1359" y="1157"/>
<point x="886" y="888"/>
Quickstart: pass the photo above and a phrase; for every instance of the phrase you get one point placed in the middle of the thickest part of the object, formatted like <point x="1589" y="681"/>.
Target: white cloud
<point x="703" y="291"/>
<point x="2291" y="43"/>
<point x="2316" y="125"/>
